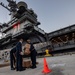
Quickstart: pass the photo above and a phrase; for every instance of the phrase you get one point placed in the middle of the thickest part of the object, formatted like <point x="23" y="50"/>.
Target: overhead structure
<point x="24" y="24"/>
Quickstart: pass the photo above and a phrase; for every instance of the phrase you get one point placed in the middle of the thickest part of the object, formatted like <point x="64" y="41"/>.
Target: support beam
<point x="67" y="38"/>
<point x="60" y="39"/>
<point x="55" y="40"/>
<point x="73" y="35"/>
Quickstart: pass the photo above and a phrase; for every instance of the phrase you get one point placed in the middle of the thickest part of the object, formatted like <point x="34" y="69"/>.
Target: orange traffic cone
<point x="46" y="69"/>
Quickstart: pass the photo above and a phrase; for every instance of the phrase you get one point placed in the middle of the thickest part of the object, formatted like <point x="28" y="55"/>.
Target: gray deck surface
<point x="60" y="65"/>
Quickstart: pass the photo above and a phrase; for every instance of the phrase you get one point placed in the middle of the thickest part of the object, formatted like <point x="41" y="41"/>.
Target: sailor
<point x="12" y="58"/>
<point x="19" y="54"/>
<point x="32" y="54"/>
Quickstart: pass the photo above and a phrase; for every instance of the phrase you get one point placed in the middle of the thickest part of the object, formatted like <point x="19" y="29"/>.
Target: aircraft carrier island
<point x="23" y="24"/>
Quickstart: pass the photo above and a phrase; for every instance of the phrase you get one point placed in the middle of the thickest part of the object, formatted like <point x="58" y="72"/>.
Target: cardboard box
<point x="27" y="64"/>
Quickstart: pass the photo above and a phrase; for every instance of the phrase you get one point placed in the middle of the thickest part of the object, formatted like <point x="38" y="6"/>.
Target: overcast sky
<point x="53" y="14"/>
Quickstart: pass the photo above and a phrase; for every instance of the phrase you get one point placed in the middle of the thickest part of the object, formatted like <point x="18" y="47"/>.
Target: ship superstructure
<point x="23" y="24"/>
